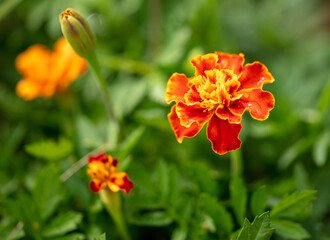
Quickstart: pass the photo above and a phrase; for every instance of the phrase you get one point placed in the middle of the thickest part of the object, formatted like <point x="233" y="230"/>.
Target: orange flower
<point x="46" y="72"/>
<point x="219" y="93"/>
<point x="103" y="170"/>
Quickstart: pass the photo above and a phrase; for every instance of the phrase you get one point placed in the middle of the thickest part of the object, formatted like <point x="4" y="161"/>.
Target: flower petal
<point x="204" y="63"/>
<point x="67" y="65"/>
<point x="34" y="62"/>
<point x="96" y="185"/>
<point x="102" y="157"/>
<point x="120" y="181"/>
<point x="256" y="101"/>
<point x="193" y="113"/>
<point x="225" y="114"/>
<point x="176" y="88"/>
<point x="223" y="135"/>
<point x="179" y="130"/>
<point x="231" y="61"/>
<point x="254" y="75"/>
<point x="28" y="89"/>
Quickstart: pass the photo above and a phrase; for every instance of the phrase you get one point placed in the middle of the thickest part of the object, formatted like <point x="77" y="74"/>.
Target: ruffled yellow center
<point x="216" y="89"/>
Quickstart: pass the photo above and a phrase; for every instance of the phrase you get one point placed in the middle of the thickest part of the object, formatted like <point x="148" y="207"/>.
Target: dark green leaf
<point x="217" y="212"/>
<point x="154" y="219"/>
<point x="260" y="229"/>
<point x="289" y="230"/>
<point x="50" y="150"/>
<point x="62" y="224"/>
<point x="258" y="201"/>
<point x="291" y="205"/>
<point x="238" y="197"/>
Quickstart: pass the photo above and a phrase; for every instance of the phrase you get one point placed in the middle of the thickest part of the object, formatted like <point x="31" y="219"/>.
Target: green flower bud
<point x="78" y="33"/>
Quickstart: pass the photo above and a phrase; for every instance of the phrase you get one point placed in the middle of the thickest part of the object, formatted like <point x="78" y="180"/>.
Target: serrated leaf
<point x="101" y="237"/>
<point x="238" y="197"/>
<point x="258" y="201"/>
<point x="217" y="212"/>
<point x="291" y="206"/>
<point x="260" y="229"/>
<point x="50" y="150"/>
<point x="154" y="219"/>
<point x="289" y="230"/>
<point x="62" y="224"/>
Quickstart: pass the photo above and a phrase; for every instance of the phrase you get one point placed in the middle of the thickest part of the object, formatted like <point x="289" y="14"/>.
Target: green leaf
<point x="153" y="219"/>
<point x="47" y="191"/>
<point x="179" y="234"/>
<point x="130" y="142"/>
<point x="289" y="230"/>
<point x="127" y="94"/>
<point x="62" y="224"/>
<point x="73" y="236"/>
<point x="258" y="200"/>
<point x="50" y="150"/>
<point x="320" y="150"/>
<point x="238" y="197"/>
<point x="291" y="206"/>
<point x="101" y="237"/>
<point x="163" y="180"/>
<point x="217" y="212"/>
<point x="260" y="229"/>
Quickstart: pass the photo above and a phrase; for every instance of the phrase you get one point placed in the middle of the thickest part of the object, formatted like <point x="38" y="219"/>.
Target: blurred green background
<point x="140" y="44"/>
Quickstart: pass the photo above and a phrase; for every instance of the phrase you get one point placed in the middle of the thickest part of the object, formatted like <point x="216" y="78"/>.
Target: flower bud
<point x="78" y="33"/>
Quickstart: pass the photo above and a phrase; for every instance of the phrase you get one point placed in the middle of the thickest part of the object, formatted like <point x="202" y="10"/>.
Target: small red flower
<point x="219" y="93"/>
<point x="103" y="170"/>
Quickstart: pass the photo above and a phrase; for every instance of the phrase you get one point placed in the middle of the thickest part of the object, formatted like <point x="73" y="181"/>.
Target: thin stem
<point x="94" y="63"/>
<point x="112" y="203"/>
<point x="236" y="162"/>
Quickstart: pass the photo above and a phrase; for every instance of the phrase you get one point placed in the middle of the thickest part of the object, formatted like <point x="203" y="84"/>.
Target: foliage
<point x="182" y="191"/>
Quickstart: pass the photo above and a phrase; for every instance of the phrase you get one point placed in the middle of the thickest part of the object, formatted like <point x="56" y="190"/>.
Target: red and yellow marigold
<point x="46" y="72"/>
<point x="221" y="90"/>
<point x="103" y="170"/>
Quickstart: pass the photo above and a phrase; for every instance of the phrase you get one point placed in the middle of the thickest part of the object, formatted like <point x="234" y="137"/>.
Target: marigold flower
<point x="218" y="94"/>
<point x="46" y="72"/>
<point x="103" y="170"/>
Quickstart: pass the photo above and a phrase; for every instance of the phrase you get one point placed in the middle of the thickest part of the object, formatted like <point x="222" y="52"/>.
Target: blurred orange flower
<point x="219" y="93"/>
<point x="46" y="72"/>
<point x="103" y="170"/>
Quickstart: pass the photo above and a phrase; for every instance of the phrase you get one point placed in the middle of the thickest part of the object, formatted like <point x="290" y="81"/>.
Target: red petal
<point x="179" y="130"/>
<point x="205" y="62"/>
<point x="102" y="157"/>
<point x="226" y="114"/>
<point x="254" y="76"/>
<point x="256" y="101"/>
<point x="231" y="61"/>
<point x="95" y="185"/>
<point x="223" y="135"/>
<point x="176" y="88"/>
<point x="120" y="181"/>
<point x="190" y="114"/>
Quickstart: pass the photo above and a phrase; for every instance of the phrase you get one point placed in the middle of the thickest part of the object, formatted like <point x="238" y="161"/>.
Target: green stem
<point x="236" y="162"/>
<point x="112" y="203"/>
<point x="94" y="63"/>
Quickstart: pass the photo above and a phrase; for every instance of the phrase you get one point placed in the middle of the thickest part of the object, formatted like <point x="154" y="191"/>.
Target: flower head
<point x="46" y="72"/>
<point x="78" y="33"/>
<point x="103" y="170"/>
<point x="221" y="90"/>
